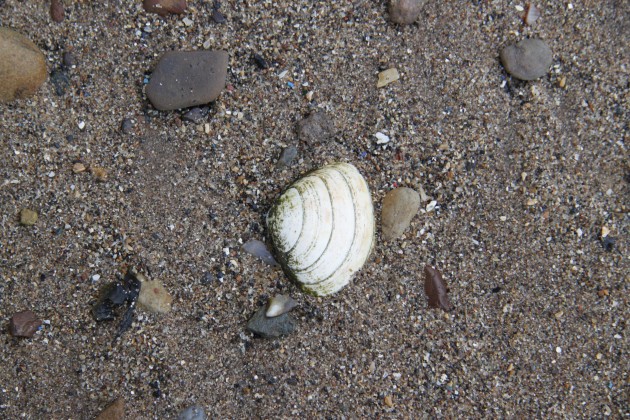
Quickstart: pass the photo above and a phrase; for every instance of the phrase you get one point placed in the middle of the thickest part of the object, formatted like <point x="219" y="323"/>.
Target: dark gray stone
<point x="195" y="114"/>
<point x="286" y="157"/>
<point x="270" y="327"/>
<point x="527" y="60"/>
<point x="316" y="128"/>
<point x="187" y="78"/>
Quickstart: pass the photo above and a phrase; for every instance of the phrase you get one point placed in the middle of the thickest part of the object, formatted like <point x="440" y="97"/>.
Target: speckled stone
<point x="316" y="128"/>
<point x="266" y="327"/>
<point x="528" y="59"/>
<point x="192" y="413"/>
<point x="187" y="78"/>
<point x="28" y="217"/>
<point x="22" y="66"/>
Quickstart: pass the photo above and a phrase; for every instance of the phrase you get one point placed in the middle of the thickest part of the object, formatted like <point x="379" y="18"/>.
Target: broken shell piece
<point x="259" y="250"/>
<point x="280" y="304"/>
<point x="531" y="15"/>
<point x="322" y="228"/>
<point x="387" y="76"/>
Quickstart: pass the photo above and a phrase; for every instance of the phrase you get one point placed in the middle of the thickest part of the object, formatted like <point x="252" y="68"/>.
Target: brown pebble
<point x="405" y="12"/>
<point x="22" y="66"/>
<point x="317" y="128"/>
<point x="99" y="173"/>
<point x="603" y="292"/>
<point x="114" y="411"/>
<point x="78" y="167"/>
<point x="399" y="207"/>
<point x="24" y="324"/>
<point x="57" y="12"/>
<point x="389" y="401"/>
<point x="435" y="289"/>
<point x="165" y="7"/>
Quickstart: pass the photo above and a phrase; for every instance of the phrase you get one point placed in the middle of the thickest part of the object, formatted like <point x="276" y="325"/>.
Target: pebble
<point x="78" y="167"/>
<point x="195" y="114"/>
<point x="28" y="217"/>
<point x="317" y="128"/>
<point x="405" y="12"/>
<point x="399" y="207"/>
<point x="99" y="173"/>
<point x="24" y="324"/>
<point x="56" y="11"/>
<point x="260" y="62"/>
<point x="279" y="304"/>
<point x="127" y="126"/>
<point x="187" y="78"/>
<point x="154" y="297"/>
<point x="114" y="411"/>
<point x="259" y="250"/>
<point x="68" y="60"/>
<point x="165" y="7"/>
<point x="265" y="327"/>
<point x="22" y="66"/>
<point x="386" y="77"/>
<point x="60" y="81"/>
<point x="287" y="156"/>
<point x="192" y="413"/>
<point x="527" y="60"/>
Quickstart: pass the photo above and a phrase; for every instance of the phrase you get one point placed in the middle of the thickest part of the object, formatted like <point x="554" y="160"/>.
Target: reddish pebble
<point x="165" y="7"/>
<point x="24" y="324"/>
<point x="56" y="10"/>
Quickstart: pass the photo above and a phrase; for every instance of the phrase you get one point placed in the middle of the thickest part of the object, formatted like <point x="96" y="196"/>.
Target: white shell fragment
<point x="322" y="228"/>
<point x="280" y="304"/>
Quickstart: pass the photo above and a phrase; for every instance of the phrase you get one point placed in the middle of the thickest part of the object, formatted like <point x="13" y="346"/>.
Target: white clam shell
<point x="322" y="228"/>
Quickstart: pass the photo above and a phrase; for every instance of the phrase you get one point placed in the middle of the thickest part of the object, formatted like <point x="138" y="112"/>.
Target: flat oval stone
<point x="187" y="78"/>
<point x="527" y="60"/>
<point x="22" y="66"/>
<point x="399" y="207"/>
<point x="165" y="7"/>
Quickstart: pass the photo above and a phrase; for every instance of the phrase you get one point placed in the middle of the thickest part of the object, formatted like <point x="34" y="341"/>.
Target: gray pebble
<point x="286" y="157"/>
<point x="126" y="126"/>
<point x="259" y="250"/>
<point x="528" y="59"/>
<point x="317" y="128"/>
<point x="187" y="78"/>
<point x="274" y="327"/>
<point x="192" y="413"/>
<point x="195" y="114"/>
<point x="399" y="207"/>
<point x="405" y="12"/>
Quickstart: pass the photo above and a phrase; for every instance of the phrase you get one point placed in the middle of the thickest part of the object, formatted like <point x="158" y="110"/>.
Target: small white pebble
<point x="431" y="206"/>
<point x="503" y="218"/>
<point x="281" y="75"/>
<point x="96" y="277"/>
<point x="519" y="8"/>
<point x="81" y="125"/>
<point x="187" y="21"/>
<point x="381" y="138"/>
<point x="51" y="174"/>
<point x="558" y="350"/>
<point x="609" y="192"/>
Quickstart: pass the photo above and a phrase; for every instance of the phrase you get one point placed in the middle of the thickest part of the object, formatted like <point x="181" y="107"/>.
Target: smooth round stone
<point x="22" y="66"/>
<point x="405" y="12"/>
<point x="28" y="217"/>
<point x="399" y="207"/>
<point x="154" y="297"/>
<point x="165" y="7"/>
<point x="183" y="79"/>
<point x="528" y="59"/>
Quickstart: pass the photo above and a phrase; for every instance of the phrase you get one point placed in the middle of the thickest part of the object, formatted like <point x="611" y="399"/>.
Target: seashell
<point x="322" y="228"/>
